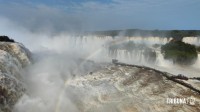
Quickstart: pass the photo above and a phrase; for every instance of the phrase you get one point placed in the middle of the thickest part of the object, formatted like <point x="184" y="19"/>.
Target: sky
<point x="92" y="15"/>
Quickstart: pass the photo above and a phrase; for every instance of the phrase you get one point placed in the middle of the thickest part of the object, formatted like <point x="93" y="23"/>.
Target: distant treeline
<point x="6" y="39"/>
<point x="145" y="33"/>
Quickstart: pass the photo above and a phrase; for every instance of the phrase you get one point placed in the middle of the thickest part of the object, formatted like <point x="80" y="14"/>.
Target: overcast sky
<point x="83" y="15"/>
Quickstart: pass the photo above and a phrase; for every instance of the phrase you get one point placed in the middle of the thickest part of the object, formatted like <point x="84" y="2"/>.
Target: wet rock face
<point x="13" y="57"/>
<point x="18" y="51"/>
<point x="128" y="89"/>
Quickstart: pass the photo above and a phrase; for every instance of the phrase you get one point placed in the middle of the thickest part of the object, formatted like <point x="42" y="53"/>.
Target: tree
<point x="6" y="39"/>
<point x="180" y="52"/>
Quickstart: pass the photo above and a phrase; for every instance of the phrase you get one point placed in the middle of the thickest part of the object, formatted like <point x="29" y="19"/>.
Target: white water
<point x="138" y="57"/>
<point x="95" y="48"/>
<point x="98" y="52"/>
<point x="56" y="66"/>
<point x="48" y="81"/>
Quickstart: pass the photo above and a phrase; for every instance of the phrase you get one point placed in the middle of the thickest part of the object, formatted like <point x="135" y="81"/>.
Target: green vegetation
<point x="180" y="52"/>
<point x="198" y="48"/>
<point x="177" y="34"/>
<point x="6" y="39"/>
<point x="129" y="46"/>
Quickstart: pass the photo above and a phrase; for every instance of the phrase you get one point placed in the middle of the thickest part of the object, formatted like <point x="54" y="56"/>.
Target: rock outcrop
<point x="122" y="88"/>
<point x="13" y="57"/>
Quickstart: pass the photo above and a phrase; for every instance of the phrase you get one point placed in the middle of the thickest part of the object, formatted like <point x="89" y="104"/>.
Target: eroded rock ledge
<point x="168" y="76"/>
<point x="130" y="88"/>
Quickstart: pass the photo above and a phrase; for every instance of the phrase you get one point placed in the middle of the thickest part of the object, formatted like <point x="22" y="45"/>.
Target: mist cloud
<point x="41" y="18"/>
<point x="73" y="16"/>
<point x="46" y="31"/>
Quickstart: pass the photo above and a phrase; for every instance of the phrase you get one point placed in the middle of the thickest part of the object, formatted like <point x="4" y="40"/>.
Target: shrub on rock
<point x="6" y="39"/>
<point x="180" y="52"/>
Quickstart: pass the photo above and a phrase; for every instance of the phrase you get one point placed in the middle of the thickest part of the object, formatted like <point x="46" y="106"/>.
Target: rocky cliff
<point x="13" y="57"/>
<point x="125" y="88"/>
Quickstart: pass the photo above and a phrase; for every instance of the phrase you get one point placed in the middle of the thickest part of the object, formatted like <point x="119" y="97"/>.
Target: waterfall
<point x="107" y="48"/>
<point x="192" y="40"/>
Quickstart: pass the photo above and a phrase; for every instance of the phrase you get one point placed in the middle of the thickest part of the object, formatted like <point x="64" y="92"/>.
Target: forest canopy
<point x="145" y="33"/>
<point x="6" y="39"/>
<point x="180" y="52"/>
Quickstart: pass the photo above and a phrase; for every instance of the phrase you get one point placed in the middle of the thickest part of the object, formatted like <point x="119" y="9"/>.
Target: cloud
<point x="75" y="15"/>
<point x="41" y="18"/>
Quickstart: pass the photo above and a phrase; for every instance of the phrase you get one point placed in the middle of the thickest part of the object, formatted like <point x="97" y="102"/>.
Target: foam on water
<point x="63" y="62"/>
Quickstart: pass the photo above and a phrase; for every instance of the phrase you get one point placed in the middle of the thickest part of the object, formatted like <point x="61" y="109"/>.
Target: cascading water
<point x="107" y="48"/>
<point x="63" y="76"/>
<point x="192" y="40"/>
